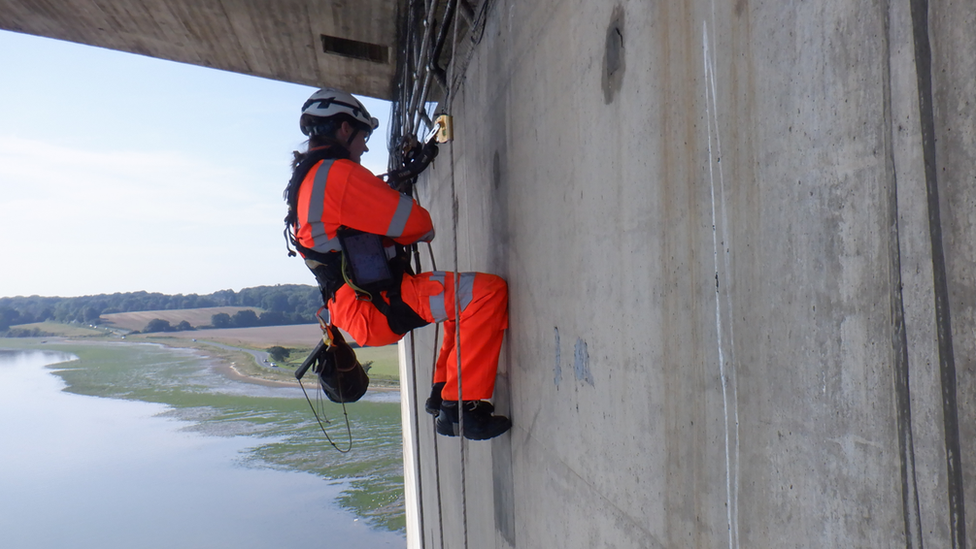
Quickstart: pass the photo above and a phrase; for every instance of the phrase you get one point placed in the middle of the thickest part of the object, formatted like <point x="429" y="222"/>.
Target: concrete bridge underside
<point x="348" y="44"/>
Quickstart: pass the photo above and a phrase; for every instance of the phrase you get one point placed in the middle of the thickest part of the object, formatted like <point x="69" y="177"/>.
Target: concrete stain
<point x="740" y="7"/>
<point x="558" y="369"/>
<point x="582" y="362"/>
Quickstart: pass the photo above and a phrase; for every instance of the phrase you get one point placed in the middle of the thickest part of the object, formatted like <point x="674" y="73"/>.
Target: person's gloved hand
<point x="404" y="178"/>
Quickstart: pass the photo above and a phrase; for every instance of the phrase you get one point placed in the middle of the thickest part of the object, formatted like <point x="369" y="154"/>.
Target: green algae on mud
<point x="383" y="362"/>
<point x="210" y="403"/>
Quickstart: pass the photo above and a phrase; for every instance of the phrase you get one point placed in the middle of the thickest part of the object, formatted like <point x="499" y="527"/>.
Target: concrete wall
<point x="734" y="320"/>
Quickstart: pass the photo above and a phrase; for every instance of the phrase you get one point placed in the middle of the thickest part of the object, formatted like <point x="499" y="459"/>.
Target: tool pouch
<point x="373" y="276"/>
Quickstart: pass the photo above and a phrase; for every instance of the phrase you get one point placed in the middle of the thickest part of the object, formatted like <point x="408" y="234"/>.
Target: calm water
<point x="158" y="465"/>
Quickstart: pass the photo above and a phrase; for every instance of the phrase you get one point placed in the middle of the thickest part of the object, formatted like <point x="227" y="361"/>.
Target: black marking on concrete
<point x="558" y="369"/>
<point x="911" y="512"/>
<point x="613" y="59"/>
<point x="947" y="363"/>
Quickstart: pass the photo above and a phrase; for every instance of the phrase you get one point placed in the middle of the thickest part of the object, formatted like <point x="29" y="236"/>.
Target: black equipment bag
<point x="342" y="377"/>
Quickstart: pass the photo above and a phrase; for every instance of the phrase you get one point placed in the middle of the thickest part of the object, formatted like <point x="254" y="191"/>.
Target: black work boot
<point x="433" y="404"/>
<point x="479" y="423"/>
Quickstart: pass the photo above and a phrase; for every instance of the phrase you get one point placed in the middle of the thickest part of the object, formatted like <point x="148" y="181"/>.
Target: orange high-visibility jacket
<point x="341" y="193"/>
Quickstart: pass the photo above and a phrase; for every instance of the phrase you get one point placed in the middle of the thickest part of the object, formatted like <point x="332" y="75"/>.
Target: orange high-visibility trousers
<point x="483" y="300"/>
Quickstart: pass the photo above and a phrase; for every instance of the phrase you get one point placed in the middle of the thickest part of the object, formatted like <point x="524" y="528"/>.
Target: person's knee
<point x="494" y="293"/>
<point x="493" y="285"/>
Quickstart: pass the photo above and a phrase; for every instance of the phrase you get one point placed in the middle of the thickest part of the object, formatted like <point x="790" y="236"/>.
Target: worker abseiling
<point x="331" y="193"/>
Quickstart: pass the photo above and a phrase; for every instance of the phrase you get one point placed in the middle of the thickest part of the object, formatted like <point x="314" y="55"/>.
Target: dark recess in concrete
<point x="613" y="60"/>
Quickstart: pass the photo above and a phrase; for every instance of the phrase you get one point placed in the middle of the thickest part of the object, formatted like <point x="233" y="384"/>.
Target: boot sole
<point x="450" y="429"/>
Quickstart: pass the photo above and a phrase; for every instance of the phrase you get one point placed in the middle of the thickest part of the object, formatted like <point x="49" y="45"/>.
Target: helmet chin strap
<point x="352" y="137"/>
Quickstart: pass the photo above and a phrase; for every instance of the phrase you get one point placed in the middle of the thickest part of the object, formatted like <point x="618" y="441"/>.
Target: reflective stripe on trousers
<point x="466" y="294"/>
<point x="483" y="299"/>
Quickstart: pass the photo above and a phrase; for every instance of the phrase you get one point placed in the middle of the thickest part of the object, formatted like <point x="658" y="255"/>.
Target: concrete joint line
<point x="947" y="365"/>
<point x="899" y="337"/>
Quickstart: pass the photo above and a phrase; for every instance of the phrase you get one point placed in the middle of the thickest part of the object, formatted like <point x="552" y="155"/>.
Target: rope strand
<point x="322" y="427"/>
<point x="433" y="370"/>
<point x="457" y="288"/>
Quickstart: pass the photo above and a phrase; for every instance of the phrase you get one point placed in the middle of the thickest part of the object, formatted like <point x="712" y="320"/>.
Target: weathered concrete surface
<point x="716" y="222"/>
<point x="279" y="40"/>
<point x="739" y="238"/>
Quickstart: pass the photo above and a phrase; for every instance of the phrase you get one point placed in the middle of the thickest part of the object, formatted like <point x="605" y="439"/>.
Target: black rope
<point x="457" y="304"/>
<point x="437" y="460"/>
<point x="319" y="420"/>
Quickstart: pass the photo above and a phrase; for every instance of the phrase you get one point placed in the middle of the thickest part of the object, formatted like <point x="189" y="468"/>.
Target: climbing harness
<point x="374" y="277"/>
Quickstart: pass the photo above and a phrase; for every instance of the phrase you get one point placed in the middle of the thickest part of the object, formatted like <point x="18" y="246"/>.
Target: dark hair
<point x="322" y="133"/>
<point x="298" y="156"/>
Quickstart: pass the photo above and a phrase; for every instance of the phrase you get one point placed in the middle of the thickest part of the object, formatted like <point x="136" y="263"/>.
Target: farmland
<point x="196" y="317"/>
<point x="62" y="330"/>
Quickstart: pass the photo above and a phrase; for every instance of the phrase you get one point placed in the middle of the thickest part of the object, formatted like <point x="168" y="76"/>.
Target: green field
<point x="383" y="363"/>
<point x="386" y="362"/>
<point x="64" y="330"/>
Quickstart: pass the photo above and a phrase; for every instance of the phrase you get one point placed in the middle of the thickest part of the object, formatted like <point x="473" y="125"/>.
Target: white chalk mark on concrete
<point x="728" y="377"/>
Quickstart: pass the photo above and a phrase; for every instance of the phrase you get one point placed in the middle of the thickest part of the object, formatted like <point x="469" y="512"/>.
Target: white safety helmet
<point x="329" y="102"/>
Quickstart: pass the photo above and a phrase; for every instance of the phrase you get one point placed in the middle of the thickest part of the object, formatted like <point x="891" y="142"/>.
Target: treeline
<point x="159" y="325"/>
<point x="283" y="304"/>
<point x="245" y="318"/>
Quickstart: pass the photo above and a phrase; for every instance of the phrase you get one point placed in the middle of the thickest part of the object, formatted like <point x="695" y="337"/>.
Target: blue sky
<point x="122" y="173"/>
